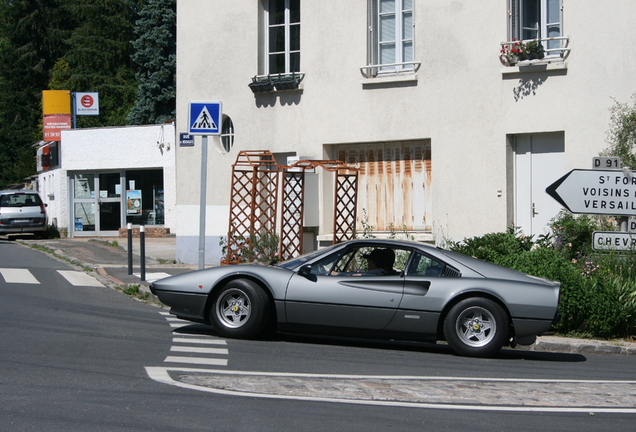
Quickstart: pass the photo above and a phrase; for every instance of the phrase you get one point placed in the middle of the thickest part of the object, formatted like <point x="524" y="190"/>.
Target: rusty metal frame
<point x="254" y="202"/>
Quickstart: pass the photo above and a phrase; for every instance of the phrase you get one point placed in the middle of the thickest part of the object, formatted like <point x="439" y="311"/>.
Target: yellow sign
<point x="56" y="102"/>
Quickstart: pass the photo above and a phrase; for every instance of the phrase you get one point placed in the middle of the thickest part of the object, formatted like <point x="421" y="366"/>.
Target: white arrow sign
<point x="596" y="192"/>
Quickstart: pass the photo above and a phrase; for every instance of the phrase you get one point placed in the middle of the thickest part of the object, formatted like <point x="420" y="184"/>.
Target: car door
<point x="344" y="297"/>
<point x="427" y="284"/>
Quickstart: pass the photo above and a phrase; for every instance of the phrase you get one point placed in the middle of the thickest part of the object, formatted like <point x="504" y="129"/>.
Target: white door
<point x="539" y="162"/>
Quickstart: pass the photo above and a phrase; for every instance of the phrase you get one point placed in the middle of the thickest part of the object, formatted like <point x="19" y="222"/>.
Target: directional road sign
<point x="602" y="192"/>
<point x="204" y="118"/>
<point x="613" y="240"/>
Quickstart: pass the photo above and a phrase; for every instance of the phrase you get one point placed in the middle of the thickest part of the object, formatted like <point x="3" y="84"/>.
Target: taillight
<point x="42" y="209"/>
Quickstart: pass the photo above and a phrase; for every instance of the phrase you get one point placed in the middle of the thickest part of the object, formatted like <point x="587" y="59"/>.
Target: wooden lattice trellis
<point x="253" y="200"/>
<point x="254" y="203"/>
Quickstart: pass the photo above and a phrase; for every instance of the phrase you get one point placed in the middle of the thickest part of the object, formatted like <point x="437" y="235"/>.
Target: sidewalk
<point x="110" y="260"/>
<point x="108" y="256"/>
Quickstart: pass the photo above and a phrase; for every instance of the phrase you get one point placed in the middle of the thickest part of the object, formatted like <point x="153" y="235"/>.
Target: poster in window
<point x="133" y="199"/>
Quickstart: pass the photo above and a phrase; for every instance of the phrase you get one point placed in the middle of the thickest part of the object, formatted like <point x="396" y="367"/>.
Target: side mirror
<point x="305" y="270"/>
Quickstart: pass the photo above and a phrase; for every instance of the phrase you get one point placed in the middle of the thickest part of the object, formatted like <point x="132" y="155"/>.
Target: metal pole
<point x="74" y="108"/>
<point x="142" y="251"/>
<point x="204" y="174"/>
<point x="130" y="249"/>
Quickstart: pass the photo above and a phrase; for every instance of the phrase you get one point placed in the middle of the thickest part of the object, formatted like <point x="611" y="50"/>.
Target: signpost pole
<point x="204" y="174"/>
<point x="73" y="103"/>
<point x="204" y="118"/>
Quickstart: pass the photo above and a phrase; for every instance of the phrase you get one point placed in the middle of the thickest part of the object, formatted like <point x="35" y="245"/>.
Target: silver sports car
<point x="371" y="288"/>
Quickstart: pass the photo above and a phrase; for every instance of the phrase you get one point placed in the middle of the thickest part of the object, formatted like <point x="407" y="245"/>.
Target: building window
<point x="391" y="34"/>
<point x="536" y="19"/>
<point x="283" y="36"/>
<point x="227" y="134"/>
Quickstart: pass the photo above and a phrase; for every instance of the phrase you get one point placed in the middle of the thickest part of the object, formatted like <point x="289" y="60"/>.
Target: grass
<point x="133" y="291"/>
<point x="56" y="255"/>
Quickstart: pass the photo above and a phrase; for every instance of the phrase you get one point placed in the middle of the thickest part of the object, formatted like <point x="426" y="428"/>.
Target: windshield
<point x="298" y="261"/>
<point x="20" y="200"/>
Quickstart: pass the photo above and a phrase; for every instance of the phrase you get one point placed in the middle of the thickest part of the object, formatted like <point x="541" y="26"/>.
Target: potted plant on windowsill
<point x="511" y="53"/>
<point x="534" y="50"/>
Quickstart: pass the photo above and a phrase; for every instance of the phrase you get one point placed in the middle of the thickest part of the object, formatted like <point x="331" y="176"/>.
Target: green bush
<point x="590" y="304"/>
<point x="498" y="248"/>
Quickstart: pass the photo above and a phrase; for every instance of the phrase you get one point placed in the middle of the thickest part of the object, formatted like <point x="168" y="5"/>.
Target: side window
<point x="422" y="265"/>
<point x="366" y="261"/>
<point x="391" y="35"/>
<point x="283" y="36"/>
<point x="536" y="19"/>
<point x="329" y="265"/>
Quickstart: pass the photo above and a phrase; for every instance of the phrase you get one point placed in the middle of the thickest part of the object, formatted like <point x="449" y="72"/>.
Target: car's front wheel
<point x="240" y="309"/>
<point x="476" y="327"/>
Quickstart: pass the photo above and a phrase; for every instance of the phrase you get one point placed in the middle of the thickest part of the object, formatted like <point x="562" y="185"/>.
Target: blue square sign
<point x="204" y="118"/>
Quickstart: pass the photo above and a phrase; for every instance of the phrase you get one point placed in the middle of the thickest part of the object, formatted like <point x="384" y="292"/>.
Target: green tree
<point x="622" y="133"/>
<point x="155" y="54"/>
<point x="98" y="57"/>
<point x="32" y="34"/>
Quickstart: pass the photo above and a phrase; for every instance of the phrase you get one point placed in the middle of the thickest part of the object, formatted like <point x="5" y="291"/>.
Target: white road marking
<point x="162" y="374"/>
<point x="153" y="277"/>
<point x="18" y="276"/>
<point x="80" y="278"/>
<point x="200" y="341"/>
<point x="180" y="324"/>
<point x="199" y="350"/>
<point x="196" y="360"/>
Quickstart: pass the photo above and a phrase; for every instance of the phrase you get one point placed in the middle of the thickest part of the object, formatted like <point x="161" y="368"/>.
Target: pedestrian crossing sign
<point x="204" y="118"/>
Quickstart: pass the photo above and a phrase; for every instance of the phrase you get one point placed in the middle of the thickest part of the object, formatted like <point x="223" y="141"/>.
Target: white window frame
<point x="401" y="62"/>
<point x="521" y="30"/>
<point x="287" y="49"/>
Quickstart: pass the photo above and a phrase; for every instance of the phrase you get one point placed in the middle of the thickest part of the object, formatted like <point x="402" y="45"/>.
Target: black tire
<point x="476" y="327"/>
<point x="241" y="310"/>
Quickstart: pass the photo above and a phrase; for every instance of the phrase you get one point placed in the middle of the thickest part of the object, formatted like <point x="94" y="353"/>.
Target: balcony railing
<point x="371" y="71"/>
<point x="515" y="51"/>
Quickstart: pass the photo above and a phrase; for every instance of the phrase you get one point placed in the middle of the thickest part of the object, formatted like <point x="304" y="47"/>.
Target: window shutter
<point x="513" y="20"/>
<point x="372" y="55"/>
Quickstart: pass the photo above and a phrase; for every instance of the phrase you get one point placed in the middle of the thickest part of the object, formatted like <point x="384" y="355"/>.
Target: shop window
<point x="145" y="197"/>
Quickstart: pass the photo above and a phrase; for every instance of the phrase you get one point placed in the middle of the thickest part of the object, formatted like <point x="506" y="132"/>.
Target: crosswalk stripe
<point x="200" y="341"/>
<point x="180" y="324"/>
<point x="200" y="350"/>
<point x="18" y="276"/>
<point x="153" y="277"/>
<point x="196" y="360"/>
<point x="80" y="278"/>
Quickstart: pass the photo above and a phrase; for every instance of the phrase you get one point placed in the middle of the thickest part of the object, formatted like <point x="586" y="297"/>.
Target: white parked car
<point x="22" y="211"/>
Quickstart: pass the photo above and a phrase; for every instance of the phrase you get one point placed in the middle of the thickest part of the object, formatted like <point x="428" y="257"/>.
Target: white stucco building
<point x="101" y="179"/>
<point x="450" y="141"/>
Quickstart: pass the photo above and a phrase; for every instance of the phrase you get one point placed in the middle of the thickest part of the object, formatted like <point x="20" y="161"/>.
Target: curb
<point x="583" y="347"/>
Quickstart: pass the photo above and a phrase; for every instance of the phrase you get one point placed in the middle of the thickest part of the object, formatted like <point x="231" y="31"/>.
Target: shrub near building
<point x="592" y="304"/>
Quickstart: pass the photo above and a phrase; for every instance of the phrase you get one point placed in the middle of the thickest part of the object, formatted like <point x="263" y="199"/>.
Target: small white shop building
<point x="96" y="181"/>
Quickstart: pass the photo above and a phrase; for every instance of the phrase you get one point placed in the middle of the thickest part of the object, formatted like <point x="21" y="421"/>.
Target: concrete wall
<point x="461" y="99"/>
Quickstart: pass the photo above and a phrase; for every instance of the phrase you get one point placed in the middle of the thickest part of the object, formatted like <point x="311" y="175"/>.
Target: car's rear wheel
<point x="240" y="309"/>
<point x="476" y="327"/>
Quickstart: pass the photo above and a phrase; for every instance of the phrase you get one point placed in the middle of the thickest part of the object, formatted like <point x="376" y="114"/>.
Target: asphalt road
<point x="76" y="356"/>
